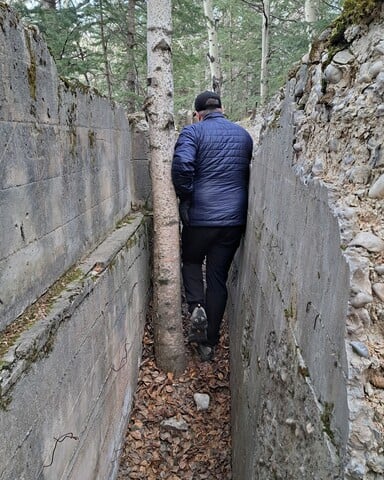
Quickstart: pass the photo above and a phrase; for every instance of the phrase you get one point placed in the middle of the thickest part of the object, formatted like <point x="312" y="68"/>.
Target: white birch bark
<point x="169" y="342"/>
<point x="213" y="47"/>
<point x="264" y="70"/>
<point x="310" y="11"/>
<point x="310" y="15"/>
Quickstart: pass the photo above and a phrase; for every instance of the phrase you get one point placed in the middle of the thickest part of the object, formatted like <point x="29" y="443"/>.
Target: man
<point x="210" y="173"/>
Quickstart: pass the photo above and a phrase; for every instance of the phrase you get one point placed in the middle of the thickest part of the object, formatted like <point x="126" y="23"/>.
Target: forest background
<point x="102" y="45"/>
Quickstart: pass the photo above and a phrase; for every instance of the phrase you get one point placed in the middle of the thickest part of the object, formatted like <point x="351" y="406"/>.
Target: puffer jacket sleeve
<point x="184" y="163"/>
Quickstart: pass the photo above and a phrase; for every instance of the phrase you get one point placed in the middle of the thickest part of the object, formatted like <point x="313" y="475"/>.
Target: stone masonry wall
<point x="308" y="290"/>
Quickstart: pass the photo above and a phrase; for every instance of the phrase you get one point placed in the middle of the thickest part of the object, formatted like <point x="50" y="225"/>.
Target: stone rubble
<point x="369" y="241"/>
<point x="202" y="401"/>
<point x="175" y="423"/>
<point x="339" y="142"/>
<point x="360" y="348"/>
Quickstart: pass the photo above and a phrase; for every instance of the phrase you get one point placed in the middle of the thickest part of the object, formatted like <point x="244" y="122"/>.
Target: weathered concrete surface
<point x="288" y="370"/>
<point x="67" y="185"/>
<point x="307" y="335"/>
<point x="65" y="168"/>
<point x="141" y="178"/>
<point x="75" y="371"/>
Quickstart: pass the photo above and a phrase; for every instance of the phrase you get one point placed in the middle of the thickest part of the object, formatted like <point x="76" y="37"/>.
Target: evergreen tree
<point x="103" y="44"/>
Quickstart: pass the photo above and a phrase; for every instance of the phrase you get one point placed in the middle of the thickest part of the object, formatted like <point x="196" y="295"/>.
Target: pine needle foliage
<point x="89" y="42"/>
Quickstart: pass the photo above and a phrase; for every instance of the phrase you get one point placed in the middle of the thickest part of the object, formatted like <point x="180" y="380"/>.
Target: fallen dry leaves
<point x="202" y="449"/>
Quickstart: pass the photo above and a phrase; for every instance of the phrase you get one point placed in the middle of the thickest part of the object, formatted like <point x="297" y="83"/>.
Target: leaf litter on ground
<point x="197" y="446"/>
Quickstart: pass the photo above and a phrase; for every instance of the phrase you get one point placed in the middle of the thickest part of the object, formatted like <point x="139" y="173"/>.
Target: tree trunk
<point x="230" y="61"/>
<point x="82" y="56"/>
<point x="310" y="15"/>
<point x="48" y="4"/>
<point x="131" y="41"/>
<point x="169" y="341"/>
<point x="104" y="47"/>
<point x="264" y="73"/>
<point x="310" y="11"/>
<point x="213" y="45"/>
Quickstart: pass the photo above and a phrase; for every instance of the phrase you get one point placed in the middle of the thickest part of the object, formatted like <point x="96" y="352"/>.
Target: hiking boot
<point x="206" y="352"/>
<point x="199" y="324"/>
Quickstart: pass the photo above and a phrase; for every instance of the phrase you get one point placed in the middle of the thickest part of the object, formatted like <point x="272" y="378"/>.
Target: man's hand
<point x="184" y="207"/>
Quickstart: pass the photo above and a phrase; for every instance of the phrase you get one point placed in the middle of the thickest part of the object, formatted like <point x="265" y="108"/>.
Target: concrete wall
<point x="308" y="290"/>
<point x="65" y="176"/>
<point x="75" y="371"/>
<point x="290" y="295"/>
<point x="141" y="174"/>
<point x="69" y="163"/>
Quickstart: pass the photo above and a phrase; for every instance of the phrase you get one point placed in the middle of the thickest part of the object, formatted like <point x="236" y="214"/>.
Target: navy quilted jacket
<point x="210" y="168"/>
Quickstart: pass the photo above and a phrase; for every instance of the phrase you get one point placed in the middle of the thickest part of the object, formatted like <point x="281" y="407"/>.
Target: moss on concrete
<point x="31" y="70"/>
<point x="37" y="311"/>
<point x="74" y="86"/>
<point x="326" y="418"/>
<point x="127" y="220"/>
<point x="91" y="138"/>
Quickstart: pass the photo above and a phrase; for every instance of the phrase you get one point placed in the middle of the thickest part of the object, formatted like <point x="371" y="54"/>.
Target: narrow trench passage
<point x="198" y="447"/>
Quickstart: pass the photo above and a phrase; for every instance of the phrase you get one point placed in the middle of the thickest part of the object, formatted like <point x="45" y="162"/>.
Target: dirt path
<point x="201" y="447"/>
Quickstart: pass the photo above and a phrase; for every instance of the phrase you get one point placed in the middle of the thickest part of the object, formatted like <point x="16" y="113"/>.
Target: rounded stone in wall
<point x="375" y="68"/>
<point x="378" y="288"/>
<point x="359" y="174"/>
<point x="369" y="241"/>
<point x="377" y="189"/>
<point x="343" y="57"/>
<point x="333" y="74"/>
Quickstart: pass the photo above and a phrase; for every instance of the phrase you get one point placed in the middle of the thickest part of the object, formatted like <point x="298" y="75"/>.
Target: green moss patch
<point x="354" y="12"/>
<point x="127" y="220"/>
<point x="37" y="311"/>
<point x="32" y="67"/>
<point x="326" y="419"/>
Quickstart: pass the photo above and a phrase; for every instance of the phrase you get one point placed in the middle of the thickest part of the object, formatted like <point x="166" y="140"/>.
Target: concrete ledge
<point x="73" y="373"/>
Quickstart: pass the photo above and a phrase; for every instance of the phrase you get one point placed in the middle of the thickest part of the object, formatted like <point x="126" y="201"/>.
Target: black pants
<point x="216" y="245"/>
